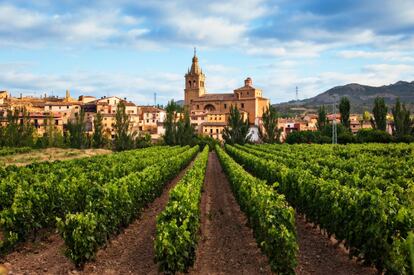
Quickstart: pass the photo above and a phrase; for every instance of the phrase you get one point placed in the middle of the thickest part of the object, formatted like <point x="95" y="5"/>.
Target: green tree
<point x="77" y="131"/>
<point x="237" y="130"/>
<point x="402" y="121"/>
<point x="98" y="138"/>
<point x="380" y="114"/>
<point x="270" y="133"/>
<point x="366" y="116"/>
<point x="124" y="138"/>
<point x="143" y="141"/>
<point x="344" y="109"/>
<point x="185" y="131"/>
<point x="52" y="137"/>
<point x="19" y="130"/>
<point x="169" y="123"/>
<point x="322" y="119"/>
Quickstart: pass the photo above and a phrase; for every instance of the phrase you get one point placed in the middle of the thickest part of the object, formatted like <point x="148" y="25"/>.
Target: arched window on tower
<point x="194" y="84"/>
<point x="189" y="84"/>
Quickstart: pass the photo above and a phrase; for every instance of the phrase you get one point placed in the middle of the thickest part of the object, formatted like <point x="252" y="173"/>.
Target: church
<point x="209" y="112"/>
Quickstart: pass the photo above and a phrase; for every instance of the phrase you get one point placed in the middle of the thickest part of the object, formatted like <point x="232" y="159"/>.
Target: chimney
<point x="248" y="82"/>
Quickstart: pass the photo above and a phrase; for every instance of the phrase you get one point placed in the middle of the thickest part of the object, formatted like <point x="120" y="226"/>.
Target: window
<point x="189" y="84"/>
<point x="60" y="107"/>
<point x="147" y="120"/>
<point x="198" y="107"/>
<point x="67" y="107"/>
<point x="247" y="93"/>
<point x="50" y="107"/>
<point x="217" y="131"/>
<point x="56" y="122"/>
<point x="153" y="120"/>
<point x="225" y="106"/>
<point x="211" y="130"/>
<point x="242" y="105"/>
<point x="205" y="130"/>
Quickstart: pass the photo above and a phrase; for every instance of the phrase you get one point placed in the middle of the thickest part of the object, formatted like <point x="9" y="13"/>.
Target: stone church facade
<point x="248" y="99"/>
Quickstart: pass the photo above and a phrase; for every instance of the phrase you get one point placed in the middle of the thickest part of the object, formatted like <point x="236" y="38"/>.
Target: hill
<point x="361" y="97"/>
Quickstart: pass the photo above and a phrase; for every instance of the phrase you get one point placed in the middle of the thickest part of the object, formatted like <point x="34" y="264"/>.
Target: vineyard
<point x="236" y="208"/>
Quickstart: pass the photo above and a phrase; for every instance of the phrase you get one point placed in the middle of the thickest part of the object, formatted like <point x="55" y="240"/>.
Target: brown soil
<point x="319" y="255"/>
<point x="130" y="252"/>
<point x="50" y="154"/>
<point x="227" y="245"/>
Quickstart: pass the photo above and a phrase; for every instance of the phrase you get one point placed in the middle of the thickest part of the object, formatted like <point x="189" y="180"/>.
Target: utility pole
<point x="334" y="126"/>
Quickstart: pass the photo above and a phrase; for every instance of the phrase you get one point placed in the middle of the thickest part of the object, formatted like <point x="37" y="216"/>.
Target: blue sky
<point x="135" y="48"/>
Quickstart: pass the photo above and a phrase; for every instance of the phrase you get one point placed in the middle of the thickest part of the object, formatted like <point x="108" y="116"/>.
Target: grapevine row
<point x="270" y="216"/>
<point x="37" y="203"/>
<point x="372" y="223"/>
<point x="115" y="205"/>
<point x="178" y="225"/>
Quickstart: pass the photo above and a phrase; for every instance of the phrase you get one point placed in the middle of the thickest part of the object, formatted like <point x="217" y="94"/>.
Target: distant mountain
<point x="361" y="97"/>
<point x="180" y="102"/>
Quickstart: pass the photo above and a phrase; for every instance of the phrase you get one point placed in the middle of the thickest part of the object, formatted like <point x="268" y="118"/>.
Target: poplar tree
<point x="52" y="137"/>
<point x="322" y="119"/>
<point x="98" y="139"/>
<point x="77" y="130"/>
<point x="380" y="114"/>
<point x="237" y="130"/>
<point x="344" y="109"/>
<point x="169" y="124"/>
<point x="124" y="139"/>
<point x="402" y="121"/>
<point x="185" y="131"/>
<point x="270" y="133"/>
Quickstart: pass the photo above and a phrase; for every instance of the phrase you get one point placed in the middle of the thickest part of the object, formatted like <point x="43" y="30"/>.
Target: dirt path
<point x="227" y="245"/>
<point x="130" y="252"/>
<point x="319" y="255"/>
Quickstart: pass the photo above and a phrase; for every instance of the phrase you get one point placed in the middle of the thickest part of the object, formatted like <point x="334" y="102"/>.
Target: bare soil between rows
<point x="130" y="252"/>
<point x="319" y="255"/>
<point x="227" y="245"/>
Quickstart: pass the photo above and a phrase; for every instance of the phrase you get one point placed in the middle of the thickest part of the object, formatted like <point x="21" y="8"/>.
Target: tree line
<point x="237" y="131"/>
<point x="402" y="125"/>
<point x="19" y="131"/>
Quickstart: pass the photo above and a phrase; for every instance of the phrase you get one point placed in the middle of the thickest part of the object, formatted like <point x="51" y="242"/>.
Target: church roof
<point x="215" y="97"/>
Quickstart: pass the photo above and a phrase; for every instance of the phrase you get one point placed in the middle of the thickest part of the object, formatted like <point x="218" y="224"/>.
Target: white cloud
<point x="12" y="18"/>
<point x="240" y="10"/>
<point x="384" y="55"/>
<point x="135" y="87"/>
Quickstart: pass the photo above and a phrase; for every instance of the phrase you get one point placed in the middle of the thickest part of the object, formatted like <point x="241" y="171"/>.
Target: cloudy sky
<point x="135" y="48"/>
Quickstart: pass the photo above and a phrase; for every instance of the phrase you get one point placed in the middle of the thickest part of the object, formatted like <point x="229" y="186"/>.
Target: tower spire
<point x="195" y="68"/>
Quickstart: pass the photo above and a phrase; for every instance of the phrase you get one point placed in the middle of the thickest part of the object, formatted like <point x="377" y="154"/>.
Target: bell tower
<point x="194" y="81"/>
